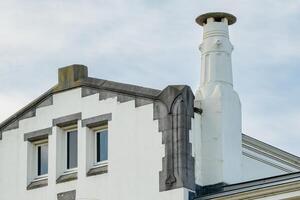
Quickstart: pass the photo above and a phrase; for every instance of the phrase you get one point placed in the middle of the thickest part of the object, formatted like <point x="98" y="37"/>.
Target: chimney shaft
<point x="216" y="48"/>
<point x="218" y="143"/>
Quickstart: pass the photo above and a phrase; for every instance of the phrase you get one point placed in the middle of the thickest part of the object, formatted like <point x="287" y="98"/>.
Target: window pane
<point x="43" y="159"/>
<point x="103" y="146"/>
<point x="98" y="147"/>
<point x="71" y="149"/>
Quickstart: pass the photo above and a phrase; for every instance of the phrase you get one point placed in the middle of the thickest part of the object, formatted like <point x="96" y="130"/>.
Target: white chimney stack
<point x="220" y="154"/>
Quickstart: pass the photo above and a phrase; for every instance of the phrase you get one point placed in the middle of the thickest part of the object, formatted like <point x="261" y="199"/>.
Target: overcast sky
<point x="154" y="43"/>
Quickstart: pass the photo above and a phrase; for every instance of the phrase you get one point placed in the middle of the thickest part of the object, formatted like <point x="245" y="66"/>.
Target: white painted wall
<point x="135" y="153"/>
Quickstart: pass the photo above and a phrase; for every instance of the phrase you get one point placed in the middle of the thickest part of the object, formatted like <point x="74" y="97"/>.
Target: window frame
<point x="66" y="131"/>
<point x="97" y="130"/>
<point x="38" y="144"/>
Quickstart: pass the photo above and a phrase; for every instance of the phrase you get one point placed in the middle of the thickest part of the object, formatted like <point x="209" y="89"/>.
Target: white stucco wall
<point x="135" y="153"/>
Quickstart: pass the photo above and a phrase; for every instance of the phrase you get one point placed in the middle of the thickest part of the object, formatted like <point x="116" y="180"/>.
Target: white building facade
<point x="93" y="139"/>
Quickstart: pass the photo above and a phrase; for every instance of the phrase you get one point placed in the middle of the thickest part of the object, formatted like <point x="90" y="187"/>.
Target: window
<point x="101" y="146"/>
<point x="37" y="157"/>
<point x="97" y="149"/>
<point x="42" y="159"/>
<point x="72" y="149"/>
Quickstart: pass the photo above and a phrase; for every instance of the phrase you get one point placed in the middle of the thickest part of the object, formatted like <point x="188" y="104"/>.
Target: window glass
<point x="42" y="159"/>
<point x="102" y="148"/>
<point x="71" y="149"/>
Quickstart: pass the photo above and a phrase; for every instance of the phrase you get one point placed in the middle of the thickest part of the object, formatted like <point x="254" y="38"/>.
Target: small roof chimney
<point x="68" y="76"/>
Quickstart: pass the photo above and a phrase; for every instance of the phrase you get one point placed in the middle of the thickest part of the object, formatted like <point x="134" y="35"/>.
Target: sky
<point x="154" y="43"/>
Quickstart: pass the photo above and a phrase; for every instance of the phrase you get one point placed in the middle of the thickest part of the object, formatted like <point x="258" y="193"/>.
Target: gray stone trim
<point x="37" y="184"/>
<point x="38" y="135"/>
<point x="30" y="113"/>
<point x="174" y="111"/>
<point x="11" y="126"/>
<point x="69" y="195"/>
<point x="142" y="102"/>
<point x="103" y="95"/>
<point x="96" y="121"/>
<point x="67" y="177"/>
<point x="70" y="75"/>
<point x="122" y="88"/>
<point x="47" y="102"/>
<point x="139" y="101"/>
<point x="97" y="170"/>
<point x="66" y="120"/>
<point x="75" y="76"/>
<point x="85" y="91"/>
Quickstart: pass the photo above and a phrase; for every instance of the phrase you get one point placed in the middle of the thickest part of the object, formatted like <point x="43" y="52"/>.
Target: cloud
<point x="154" y="44"/>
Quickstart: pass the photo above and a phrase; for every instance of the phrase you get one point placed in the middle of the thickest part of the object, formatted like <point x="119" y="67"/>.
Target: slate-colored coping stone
<point x="97" y="120"/>
<point x="38" y="184"/>
<point x="67" y="177"/>
<point x="97" y="170"/>
<point x="66" y="120"/>
<point x="76" y="76"/>
<point x="38" y="135"/>
<point x="69" y="195"/>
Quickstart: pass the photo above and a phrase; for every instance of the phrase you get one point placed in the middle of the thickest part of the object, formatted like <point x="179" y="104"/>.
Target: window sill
<point x="97" y="170"/>
<point x="38" y="183"/>
<point x="67" y="177"/>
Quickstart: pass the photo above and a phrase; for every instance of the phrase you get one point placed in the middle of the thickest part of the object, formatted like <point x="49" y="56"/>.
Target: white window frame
<point x="66" y="130"/>
<point x="36" y="145"/>
<point x="95" y="132"/>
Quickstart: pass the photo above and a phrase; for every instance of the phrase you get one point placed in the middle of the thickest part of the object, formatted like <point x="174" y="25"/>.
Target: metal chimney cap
<point x="201" y="20"/>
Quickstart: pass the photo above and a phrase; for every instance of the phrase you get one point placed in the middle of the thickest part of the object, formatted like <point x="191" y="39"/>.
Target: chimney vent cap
<point x="201" y="20"/>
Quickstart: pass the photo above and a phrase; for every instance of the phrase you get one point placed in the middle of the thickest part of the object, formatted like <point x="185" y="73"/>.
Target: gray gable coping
<point x="75" y="76"/>
<point x="38" y="135"/>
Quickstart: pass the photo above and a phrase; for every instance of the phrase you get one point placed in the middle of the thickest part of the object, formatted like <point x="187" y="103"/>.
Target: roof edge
<point x="257" y="188"/>
<point x="285" y="157"/>
<point x="67" y="84"/>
